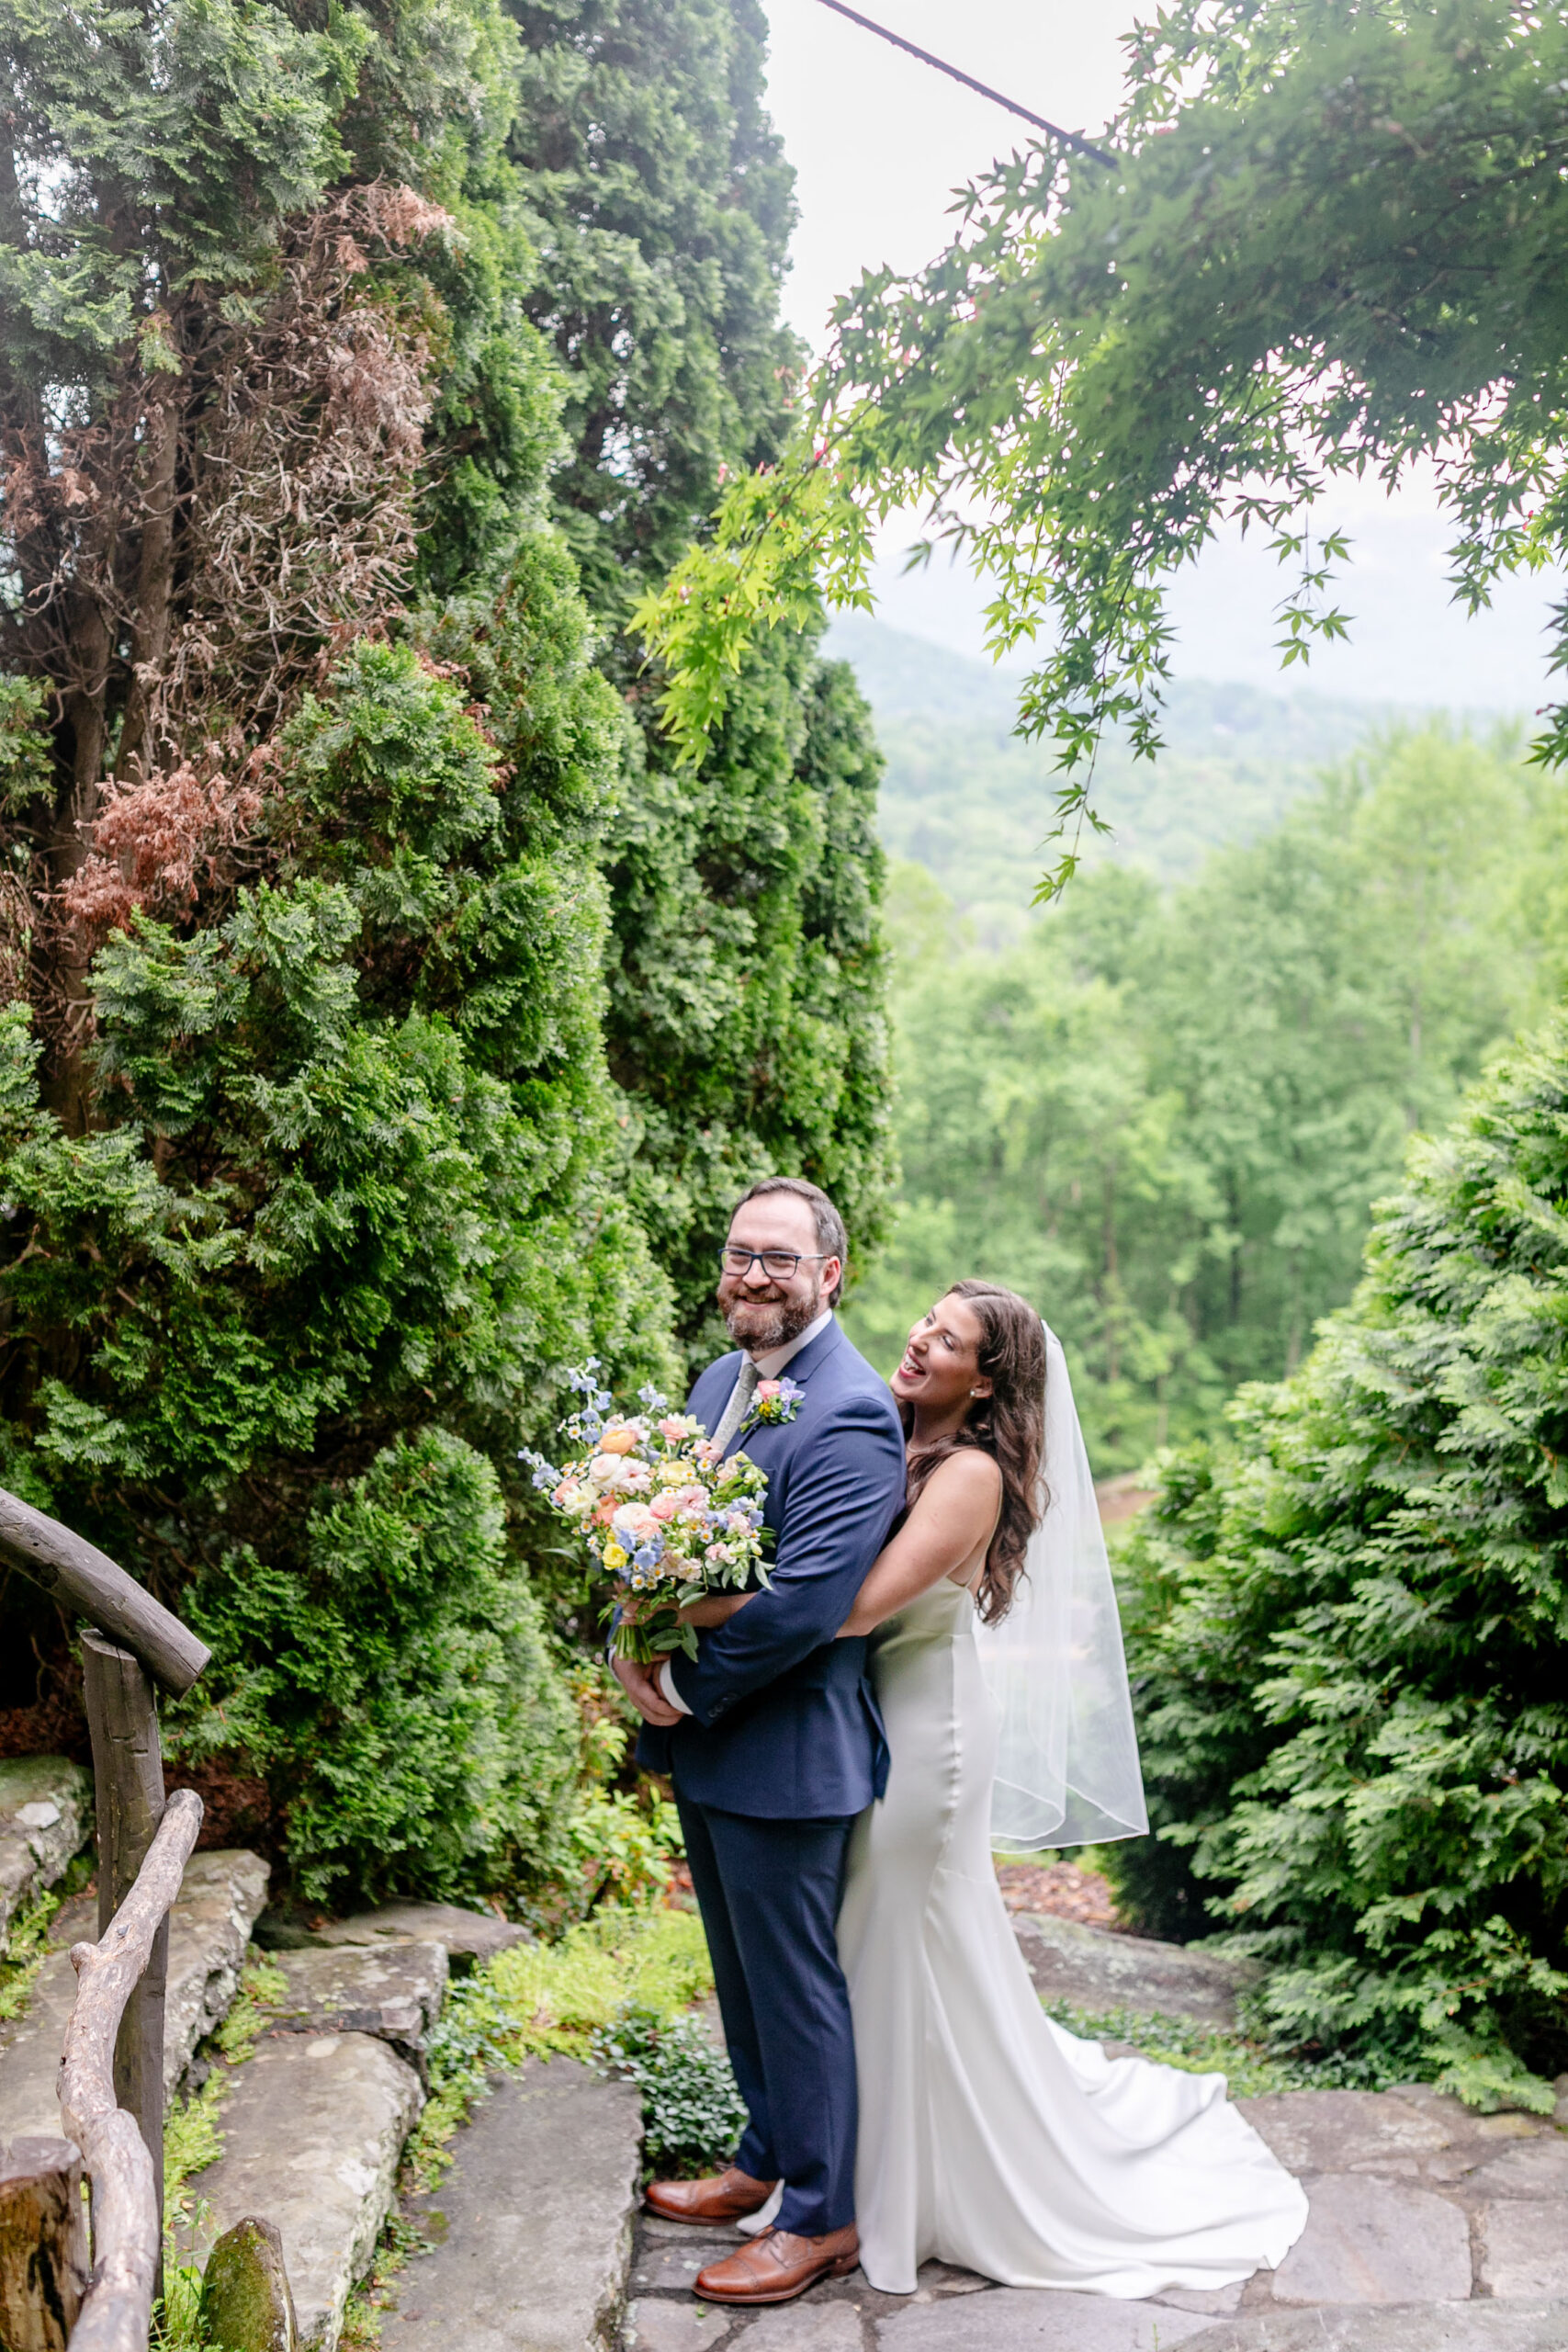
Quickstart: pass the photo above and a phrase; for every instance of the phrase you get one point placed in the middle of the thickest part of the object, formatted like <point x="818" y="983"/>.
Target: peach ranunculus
<point x="672" y="1429"/>
<point x="617" y="1438"/>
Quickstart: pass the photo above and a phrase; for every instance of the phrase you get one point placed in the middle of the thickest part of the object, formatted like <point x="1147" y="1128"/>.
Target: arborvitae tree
<point x="661" y="206"/>
<point x="746" y="1014"/>
<point x="313" y="1177"/>
<point x="1347" y="1632"/>
<point x="747" y="1001"/>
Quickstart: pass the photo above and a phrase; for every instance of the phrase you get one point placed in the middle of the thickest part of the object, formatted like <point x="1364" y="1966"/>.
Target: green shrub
<point x="1348" y="1631"/>
<point x="693" y="2115"/>
<point x="399" y="1684"/>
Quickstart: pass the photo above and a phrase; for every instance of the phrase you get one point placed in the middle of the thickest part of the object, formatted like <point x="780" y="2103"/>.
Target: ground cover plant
<point x="1347" y="1626"/>
<point x="693" y="2114"/>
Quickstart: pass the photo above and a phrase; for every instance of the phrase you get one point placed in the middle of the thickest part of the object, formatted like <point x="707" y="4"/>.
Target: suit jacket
<point x="783" y="1724"/>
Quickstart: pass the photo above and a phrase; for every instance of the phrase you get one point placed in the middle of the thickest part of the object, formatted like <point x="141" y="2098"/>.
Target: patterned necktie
<point x="739" y="1403"/>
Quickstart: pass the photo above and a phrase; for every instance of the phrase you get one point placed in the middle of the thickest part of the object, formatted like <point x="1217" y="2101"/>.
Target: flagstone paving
<point x="1432" y="2229"/>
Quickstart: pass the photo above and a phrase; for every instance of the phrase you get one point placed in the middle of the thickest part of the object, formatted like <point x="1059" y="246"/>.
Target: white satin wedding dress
<point x="988" y="2136"/>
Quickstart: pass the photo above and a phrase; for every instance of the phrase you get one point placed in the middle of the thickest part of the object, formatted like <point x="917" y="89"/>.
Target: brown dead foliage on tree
<point x="185" y="550"/>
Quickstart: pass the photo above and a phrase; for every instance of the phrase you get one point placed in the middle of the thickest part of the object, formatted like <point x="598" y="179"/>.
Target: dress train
<point x="990" y="2137"/>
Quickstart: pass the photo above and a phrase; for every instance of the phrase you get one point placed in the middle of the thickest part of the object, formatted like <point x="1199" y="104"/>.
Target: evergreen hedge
<point x="1349" y="1629"/>
<point x="324" y="792"/>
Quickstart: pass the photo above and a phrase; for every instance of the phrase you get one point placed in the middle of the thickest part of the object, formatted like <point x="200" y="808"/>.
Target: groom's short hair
<point x="831" y="1238"/>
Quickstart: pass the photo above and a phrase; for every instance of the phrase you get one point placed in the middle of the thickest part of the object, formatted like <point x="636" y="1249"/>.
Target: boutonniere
<point x="775" y="1401"/>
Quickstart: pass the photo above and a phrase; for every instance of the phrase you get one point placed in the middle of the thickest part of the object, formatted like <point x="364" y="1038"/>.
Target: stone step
<point x="1094" y="1968"/>
<point x="391" y="1990"/>
<point x="313" y="2129"/>
<point x="532" y="2227"/>
<point x="470" y="1937"/>
<point x="208" y="1927"/>
<point x="46" y="1815"/>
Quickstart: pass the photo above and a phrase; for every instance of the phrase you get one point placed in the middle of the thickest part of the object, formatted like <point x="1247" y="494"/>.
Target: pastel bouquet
<point x="658" y="1509"/>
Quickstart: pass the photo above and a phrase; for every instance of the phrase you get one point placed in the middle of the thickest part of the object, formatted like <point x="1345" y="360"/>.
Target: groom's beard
<point x="760" y="1325"/>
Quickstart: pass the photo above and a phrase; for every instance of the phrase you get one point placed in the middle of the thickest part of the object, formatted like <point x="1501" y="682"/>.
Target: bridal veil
<point x="1067" y="1758"/>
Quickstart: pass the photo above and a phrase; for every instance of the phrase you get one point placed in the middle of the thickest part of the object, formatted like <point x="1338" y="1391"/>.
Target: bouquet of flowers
<point x="659" y="1509"/>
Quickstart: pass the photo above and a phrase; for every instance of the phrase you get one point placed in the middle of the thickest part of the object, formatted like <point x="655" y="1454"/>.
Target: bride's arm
<point x="953" y="1520"/>
<point x="714" y="1609"/>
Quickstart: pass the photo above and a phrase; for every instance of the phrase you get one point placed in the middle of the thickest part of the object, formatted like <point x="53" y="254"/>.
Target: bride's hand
<point x="716" y="1610"/>
<point x="949" y="1527"/>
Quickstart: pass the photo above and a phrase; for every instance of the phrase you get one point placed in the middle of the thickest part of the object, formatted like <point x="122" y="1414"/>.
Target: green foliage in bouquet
<point x="658" y="1511"/>
<point x="1347" y="1632"/>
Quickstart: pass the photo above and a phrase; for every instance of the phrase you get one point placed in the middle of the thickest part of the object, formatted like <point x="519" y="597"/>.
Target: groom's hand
<point x="644" y="1693"/>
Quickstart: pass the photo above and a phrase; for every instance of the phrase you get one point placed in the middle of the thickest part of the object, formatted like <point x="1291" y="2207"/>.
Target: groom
<point x="775" y="1744"/>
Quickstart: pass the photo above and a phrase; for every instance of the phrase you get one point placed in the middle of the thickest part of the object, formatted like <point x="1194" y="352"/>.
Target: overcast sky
<point x="879" y="143"/>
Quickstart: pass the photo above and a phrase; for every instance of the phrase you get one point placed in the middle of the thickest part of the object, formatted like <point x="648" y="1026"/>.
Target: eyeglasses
<point x="779" y="1265"/>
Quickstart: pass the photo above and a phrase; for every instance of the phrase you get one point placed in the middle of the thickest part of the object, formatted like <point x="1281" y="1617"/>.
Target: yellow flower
<point x="615" y="1559"/>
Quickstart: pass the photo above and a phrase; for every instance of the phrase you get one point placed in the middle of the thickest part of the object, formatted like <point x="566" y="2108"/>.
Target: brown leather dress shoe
<point x="776" y="2265"/>
<point x="729" y="2195"/>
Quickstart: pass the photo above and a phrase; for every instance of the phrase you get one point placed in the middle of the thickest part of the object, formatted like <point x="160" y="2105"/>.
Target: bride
<point x="990" y="2137"/>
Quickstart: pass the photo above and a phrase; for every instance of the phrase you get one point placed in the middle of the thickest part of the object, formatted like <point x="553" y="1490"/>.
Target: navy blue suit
<point x="783" y="1747"/>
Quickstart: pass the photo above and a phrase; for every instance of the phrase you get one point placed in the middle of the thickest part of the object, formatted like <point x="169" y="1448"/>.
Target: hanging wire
<point x="1072" y="139"/>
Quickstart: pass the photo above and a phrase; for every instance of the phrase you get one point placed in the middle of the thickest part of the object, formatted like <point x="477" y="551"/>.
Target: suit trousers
<point x="769" y="1893"/>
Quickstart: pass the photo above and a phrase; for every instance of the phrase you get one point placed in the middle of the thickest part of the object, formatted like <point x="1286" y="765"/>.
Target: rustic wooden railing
<point x="111" y="2090"/>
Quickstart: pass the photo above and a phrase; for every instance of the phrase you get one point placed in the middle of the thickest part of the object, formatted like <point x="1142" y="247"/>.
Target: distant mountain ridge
<point x="966" y="798"/>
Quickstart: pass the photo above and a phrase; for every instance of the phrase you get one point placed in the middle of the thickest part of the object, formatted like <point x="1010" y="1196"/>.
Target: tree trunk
<point x="84" y="708"/>
<point x="43" y="2244"/>
<point x="154" y="580"/>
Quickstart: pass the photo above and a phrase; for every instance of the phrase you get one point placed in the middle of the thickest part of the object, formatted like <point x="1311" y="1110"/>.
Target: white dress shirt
<point x="770" y="1363"/>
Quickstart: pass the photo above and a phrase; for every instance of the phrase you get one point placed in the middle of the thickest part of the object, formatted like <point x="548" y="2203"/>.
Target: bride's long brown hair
<point x="1008" y="1425"/>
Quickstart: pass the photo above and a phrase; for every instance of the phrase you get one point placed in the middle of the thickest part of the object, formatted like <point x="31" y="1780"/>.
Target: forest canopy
<point x="1167" y="1115"/>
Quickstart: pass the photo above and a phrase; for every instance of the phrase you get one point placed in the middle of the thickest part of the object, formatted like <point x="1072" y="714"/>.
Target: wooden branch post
<point x="43" y="2244"/>
<point x="127" y="2210"/>
<point x="127" y="1770"/>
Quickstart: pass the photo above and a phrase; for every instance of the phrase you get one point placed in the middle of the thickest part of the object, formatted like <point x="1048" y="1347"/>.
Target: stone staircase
<point x="316" y="2118"/>
<point x="1432" y="2229"/>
